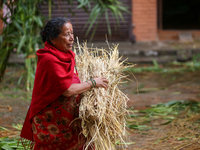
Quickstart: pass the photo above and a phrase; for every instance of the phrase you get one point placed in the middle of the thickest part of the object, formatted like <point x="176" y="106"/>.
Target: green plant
<point x="172" y="110"/>
<point x="99" y="10"/>
<point x="171" y="67"/>
<point x="12" y="142"/>
<point x="196" y="61"/>
<point x="22" y="34"/>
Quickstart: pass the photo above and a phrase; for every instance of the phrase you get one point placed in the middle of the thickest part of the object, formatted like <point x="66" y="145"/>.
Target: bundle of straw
<point x="103" y="112"/>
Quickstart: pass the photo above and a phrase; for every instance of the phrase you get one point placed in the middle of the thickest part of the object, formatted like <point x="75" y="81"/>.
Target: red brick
<point x="144" y="17"/>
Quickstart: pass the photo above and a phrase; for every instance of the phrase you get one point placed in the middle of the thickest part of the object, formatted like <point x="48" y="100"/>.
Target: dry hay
<point x="181" y="134"/>
<point x="11" y="132"/>
<point x="5" y="108"/>
<point x="103" y="112"/>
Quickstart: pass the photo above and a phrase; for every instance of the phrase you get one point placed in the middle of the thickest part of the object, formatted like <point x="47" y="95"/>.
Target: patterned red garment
<point x="54" y="75"/>
<point x="53" y="128"/>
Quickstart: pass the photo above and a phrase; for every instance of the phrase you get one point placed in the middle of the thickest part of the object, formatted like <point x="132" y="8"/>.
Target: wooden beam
<point x="160" y="12"/>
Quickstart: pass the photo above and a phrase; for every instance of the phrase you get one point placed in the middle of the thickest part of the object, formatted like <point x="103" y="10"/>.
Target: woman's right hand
<point x="101" y="82"/>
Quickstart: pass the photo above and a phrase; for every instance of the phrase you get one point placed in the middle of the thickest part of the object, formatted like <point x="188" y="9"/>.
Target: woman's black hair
<point x="53" y="28"/>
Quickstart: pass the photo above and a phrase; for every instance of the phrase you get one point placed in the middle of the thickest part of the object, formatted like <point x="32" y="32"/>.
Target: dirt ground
<point x="153" y="88"/>
<point x="157" y="88"/>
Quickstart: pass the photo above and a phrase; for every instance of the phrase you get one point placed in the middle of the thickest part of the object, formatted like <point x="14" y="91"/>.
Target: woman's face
<point x="65" y="39"/>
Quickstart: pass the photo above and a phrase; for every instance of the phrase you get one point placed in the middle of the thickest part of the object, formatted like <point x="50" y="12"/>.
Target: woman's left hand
<point x="101" y="82"/>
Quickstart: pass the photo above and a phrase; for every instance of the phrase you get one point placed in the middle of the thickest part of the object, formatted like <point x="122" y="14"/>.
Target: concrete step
<point x="146" y="52"/>
<point x="161" y="56"/>
<point x="139" y="52"/>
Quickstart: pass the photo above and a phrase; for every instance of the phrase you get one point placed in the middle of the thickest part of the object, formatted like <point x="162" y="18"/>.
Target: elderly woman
<point x="51" y="120"/>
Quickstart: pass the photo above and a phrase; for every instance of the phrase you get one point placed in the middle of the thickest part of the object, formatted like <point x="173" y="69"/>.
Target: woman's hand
<point x="101" y="82"/>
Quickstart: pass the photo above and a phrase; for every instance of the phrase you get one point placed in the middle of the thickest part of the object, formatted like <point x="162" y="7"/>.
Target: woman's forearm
<point x="76" y="89"/>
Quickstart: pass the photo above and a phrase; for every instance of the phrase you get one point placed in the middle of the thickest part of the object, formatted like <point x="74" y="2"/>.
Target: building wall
<point x="61" y="8"/>
<point x="144" y="19"/>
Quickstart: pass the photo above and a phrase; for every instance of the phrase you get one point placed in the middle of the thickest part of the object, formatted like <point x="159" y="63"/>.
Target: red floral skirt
<point x="54" y="128"/>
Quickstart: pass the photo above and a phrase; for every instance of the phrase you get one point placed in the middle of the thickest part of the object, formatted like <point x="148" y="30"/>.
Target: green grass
<point x="167" y="68"/>
<point x="167" y="112"/>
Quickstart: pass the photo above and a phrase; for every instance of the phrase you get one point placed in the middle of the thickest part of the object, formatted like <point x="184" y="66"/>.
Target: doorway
<point x="179" y="14"/>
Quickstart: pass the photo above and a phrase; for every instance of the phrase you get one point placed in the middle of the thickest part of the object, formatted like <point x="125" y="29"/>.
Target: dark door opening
<point x="179" y="14"/>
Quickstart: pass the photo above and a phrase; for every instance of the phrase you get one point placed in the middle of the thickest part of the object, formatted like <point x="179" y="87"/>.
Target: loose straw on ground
<point x="103" y="112"/>
<point x="181" y="134"/>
